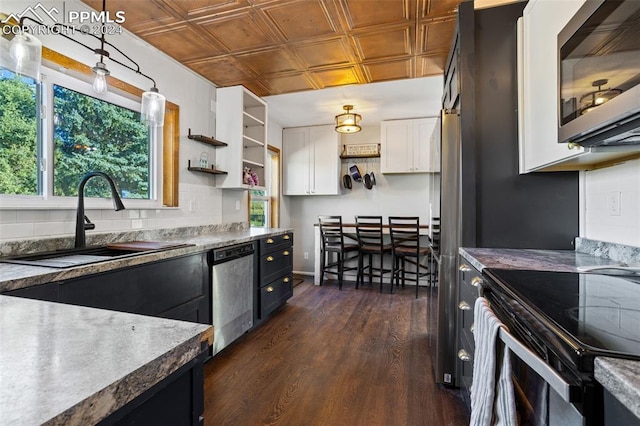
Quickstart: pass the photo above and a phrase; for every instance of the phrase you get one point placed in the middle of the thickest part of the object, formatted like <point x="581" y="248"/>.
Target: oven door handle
<point x="537" y="364"/>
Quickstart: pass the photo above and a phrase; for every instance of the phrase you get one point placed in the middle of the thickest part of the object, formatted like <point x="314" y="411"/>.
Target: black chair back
<point x="405" y="234"/>
<point x="331" y="233"/>
<point x="369" y="232"/>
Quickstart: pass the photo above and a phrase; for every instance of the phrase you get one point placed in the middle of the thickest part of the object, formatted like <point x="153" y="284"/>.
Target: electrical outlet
<point x="613" y="203"/>
<point x="306" y="255"/>
<point x="192" y="205"/>
<point x="237" y="205"/>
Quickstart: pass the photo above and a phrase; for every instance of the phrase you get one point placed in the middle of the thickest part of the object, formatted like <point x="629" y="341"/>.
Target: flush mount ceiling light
<point x="348" y="122"/>
<point x="24" y="56"/>
<point x="596" y="98"/>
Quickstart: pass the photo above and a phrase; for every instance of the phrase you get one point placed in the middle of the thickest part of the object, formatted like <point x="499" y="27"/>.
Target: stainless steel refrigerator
<point x="450" y="225"/>
<point x="484" y="201"/>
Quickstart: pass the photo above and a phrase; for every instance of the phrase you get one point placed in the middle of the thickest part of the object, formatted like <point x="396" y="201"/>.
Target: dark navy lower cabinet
<point x="177" y="288"/>
<point x="274" y="282"/>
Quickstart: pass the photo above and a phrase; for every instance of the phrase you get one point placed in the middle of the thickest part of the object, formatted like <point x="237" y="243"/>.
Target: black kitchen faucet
<point x="82" y="221"/>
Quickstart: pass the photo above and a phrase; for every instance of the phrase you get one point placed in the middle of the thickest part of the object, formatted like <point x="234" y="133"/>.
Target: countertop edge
<point x="115" y="396"/>
<point x="622" y="379"/>
<point x="14" y="277"/>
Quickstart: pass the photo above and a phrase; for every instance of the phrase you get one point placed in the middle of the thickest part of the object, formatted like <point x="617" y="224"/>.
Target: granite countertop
<point x="65" y="364"/>
<point x="15" y="276"/>
<point x="538" y="260"/>
<point x="619" y="376"/>
<point x="622" y="379"/>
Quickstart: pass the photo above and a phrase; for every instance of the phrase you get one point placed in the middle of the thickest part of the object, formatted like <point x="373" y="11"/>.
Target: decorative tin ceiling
<point x="283" y="46"/>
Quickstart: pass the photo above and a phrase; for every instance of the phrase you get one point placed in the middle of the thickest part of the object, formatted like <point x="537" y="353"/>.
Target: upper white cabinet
<point x="311" y="160"/>
<point x="405" y="145"/>
<point x="241" y="122"/>
<point x="538" y="31"/>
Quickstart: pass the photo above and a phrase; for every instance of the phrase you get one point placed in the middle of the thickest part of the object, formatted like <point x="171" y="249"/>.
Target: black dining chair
<point x="332" y="243"/>
<point x="406" y="251"/>
<point x="371" y="241"/>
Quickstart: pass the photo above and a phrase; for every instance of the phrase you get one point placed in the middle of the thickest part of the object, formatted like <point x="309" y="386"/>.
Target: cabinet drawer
<point x="275" y="265"/>
<point x="275" y="294"/>
<point x="276" y="243"/>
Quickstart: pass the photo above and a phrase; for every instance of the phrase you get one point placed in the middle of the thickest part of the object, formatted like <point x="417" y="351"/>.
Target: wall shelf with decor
<point x="365" y="150"/>
<point x="241" y="120"/>
<point x="210" y="170"/>
<point x="207" y="140"/>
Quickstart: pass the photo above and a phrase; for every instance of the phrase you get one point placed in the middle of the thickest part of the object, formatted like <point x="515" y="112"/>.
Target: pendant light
<point x="24" y="56"/>
<point x="152" y="112"/>
<point x="348" y="122"/>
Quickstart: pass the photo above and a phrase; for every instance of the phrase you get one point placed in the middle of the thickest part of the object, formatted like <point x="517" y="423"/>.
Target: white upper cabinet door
<point x="422" y="132"/>
<point x="325" y="160"/>
<point x="311" y="161"/>
<point x="296" y="159"/>
<point x="542" y="21"/>
<point x="406" y="145"/>
<point x="396" y="145"/>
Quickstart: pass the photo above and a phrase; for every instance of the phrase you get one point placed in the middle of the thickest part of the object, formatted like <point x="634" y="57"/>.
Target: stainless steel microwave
<point x="599" y="75"/>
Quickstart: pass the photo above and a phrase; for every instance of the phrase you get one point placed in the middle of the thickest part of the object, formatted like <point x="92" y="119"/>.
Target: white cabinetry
<point x="405" y="145"/>
<point x="311" y="160"/>
<point x="538" y="84"/>
<point x="241" y="122"/>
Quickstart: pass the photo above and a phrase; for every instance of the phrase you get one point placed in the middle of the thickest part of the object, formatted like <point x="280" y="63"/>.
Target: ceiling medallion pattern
<point x="283" y="46"/>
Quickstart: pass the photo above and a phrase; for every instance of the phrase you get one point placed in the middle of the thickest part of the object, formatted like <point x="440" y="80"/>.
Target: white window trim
<point x="51" y="202"/>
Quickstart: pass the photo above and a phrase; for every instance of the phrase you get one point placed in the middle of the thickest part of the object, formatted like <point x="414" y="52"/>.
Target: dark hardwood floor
<point x="330" y="357"/>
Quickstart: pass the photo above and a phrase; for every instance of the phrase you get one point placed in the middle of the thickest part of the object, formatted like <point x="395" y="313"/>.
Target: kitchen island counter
<point x="64" y="364"/>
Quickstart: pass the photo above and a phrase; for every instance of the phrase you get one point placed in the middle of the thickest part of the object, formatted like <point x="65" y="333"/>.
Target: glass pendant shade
<point x="25" y="54"/>
<point x="100" y="81"/>
<point x="153" y="104"/>
<point x="348" y="122"/>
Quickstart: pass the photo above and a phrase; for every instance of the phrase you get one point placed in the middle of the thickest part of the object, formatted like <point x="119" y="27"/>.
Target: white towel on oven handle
<point x="492" y="401"/>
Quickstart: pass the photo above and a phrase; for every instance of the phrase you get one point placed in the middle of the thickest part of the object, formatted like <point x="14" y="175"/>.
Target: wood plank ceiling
<point x="283" y="46"/>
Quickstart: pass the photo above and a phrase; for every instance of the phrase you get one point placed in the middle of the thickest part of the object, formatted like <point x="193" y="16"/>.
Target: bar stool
<point x="369" y="232"/>
<point x="405" y="243"/>
<point x="332" y="240"/>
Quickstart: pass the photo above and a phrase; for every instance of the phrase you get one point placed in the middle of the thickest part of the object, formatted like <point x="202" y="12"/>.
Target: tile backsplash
<point x="199" y="205"/>
<point x="612" y="204"/>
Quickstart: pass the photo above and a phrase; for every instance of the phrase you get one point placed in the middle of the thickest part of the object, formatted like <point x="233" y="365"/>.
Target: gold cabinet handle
<point x="286" y="280"/>
<point x="286" y="237"/>
<point x="572" y="145"/>
<point x="464" y="268"/>
<point x="269" y="241"/>
<point x="464" y="306"/>
<point x="286" y="252"/>
<point x="269" y="258"/>
<point x="476" y="281"/>
<point x="464" y="355"/>
<point x="269" y="289"/>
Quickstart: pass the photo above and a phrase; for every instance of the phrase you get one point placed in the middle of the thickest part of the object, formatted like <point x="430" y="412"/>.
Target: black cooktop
<point x="596" y="314"/>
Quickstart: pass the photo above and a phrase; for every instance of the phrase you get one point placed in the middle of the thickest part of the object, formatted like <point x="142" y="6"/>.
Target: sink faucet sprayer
<point x="82" y="222"/>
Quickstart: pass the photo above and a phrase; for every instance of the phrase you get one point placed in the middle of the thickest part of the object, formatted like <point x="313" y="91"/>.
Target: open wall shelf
<point x="206" y="139"/>
<point x="204" y="170"/>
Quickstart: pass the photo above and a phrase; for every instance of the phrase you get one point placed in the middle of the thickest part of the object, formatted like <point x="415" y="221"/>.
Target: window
<point x="91" y="134"/>
<point x="263" y="204"/>
<point x="78" y="133"/>
<point x="19" y="98"/>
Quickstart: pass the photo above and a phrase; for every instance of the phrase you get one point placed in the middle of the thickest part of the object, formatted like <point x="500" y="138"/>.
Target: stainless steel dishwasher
<point x="232" y="293"/>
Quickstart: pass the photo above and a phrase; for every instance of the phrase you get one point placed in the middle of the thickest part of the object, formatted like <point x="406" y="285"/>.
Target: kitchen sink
<point x="82" y="256"/>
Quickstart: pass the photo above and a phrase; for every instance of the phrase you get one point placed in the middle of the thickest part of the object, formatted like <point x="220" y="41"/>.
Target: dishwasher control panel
<point x="233" y="252"/>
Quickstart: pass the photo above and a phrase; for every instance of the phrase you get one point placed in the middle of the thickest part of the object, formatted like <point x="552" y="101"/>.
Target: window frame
<point x="164" y="161"/>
